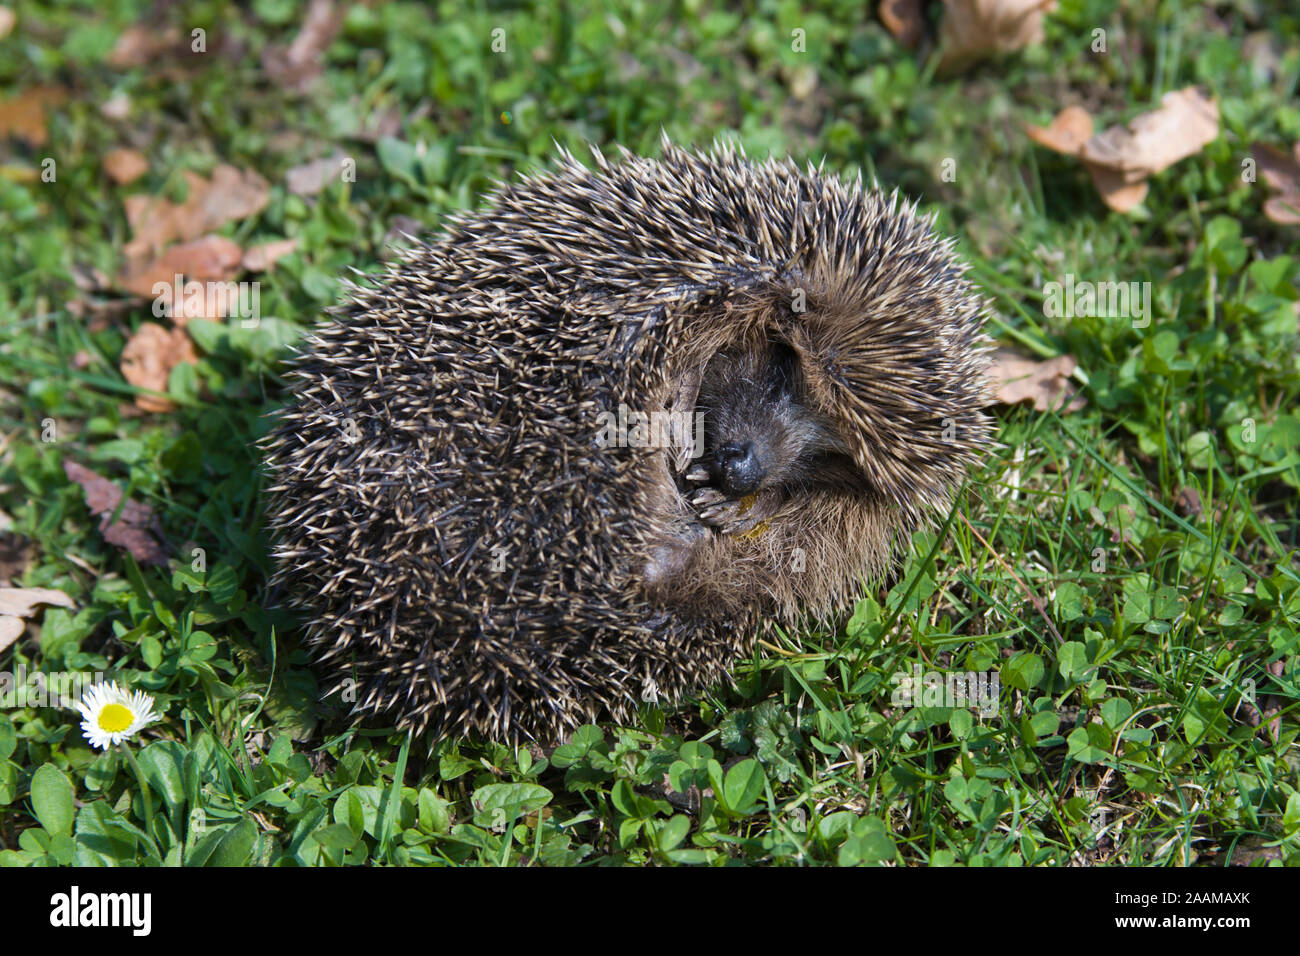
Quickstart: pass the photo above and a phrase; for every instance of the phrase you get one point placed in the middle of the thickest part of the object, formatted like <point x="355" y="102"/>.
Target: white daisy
<point x="111" y="714"/>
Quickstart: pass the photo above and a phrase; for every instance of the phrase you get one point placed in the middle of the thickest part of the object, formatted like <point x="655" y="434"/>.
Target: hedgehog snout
<point x="739" y="469"/>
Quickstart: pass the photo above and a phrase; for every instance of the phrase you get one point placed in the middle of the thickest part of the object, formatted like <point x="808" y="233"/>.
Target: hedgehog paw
<point x="734" y="516"/>
<point x="728" y="515"/>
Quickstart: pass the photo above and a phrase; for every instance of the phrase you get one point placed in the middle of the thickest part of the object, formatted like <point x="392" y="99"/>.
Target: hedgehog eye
<point x="785" y="366"/>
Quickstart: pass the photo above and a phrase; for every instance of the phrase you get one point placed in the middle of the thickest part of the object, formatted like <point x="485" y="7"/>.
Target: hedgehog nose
<point x="739" y="469"/>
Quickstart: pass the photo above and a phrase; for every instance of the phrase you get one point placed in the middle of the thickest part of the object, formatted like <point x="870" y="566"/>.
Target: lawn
<point x="1125" y="565"/>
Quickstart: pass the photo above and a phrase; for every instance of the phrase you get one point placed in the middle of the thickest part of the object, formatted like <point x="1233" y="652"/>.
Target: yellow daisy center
<point x="114" y="719"/>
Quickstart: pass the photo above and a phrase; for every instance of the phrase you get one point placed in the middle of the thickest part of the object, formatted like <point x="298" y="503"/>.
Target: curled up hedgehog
<point x="577" y="451"/>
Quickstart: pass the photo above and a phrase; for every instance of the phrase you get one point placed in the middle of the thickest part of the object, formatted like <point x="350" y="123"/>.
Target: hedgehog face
<point x="764" y="443"/>
<point x="772" y="466"/>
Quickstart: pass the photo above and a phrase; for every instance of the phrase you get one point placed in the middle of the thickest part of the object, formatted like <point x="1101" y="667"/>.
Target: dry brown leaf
<point x="1120" y="159"/>
<point x="1278" y="169"/>
<point x="209" y="259"/>
<point x="21" y="602"/>
<point x="125" y="165"/>
<point x="1018" y="378"/>
<point x="1114" y="191"/>
<point x="140" y="45"/>
<point x="234" y="195"/>
<point x="7" y="20"/>
<point x="136" y="529"/>
<point x="11" y="628"/>
<point x="261" y="257"/>
<point x="1068" y="131"/>
<point x="310" y="178"/>
<point x="23" y="115"/>
<point x="1281" y="172"/>
<point x="972" y="29"/>
<point x="1183" y="125"/>
<point x="229" y="196"/>
<point x="299" y="65"/>
<point x="102" y="496"/>
<point x="1283" y="210"/>
<point x="148" y="358"/>
<point x="902" y="18"/>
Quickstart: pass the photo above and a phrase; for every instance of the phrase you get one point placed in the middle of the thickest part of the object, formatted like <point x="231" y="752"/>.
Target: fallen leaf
<point x="1279" y="170"/>
<point x="125" y="165"/>
<point x="972" y="29"/>
<point x="1068" y="131"/>
<point x="261" y="257"/>
<point x="1017" y="378"/>
<point x="1119" y="195"/>
<point x="7" y="20"/>
<point x="11" y="628"/>
<point x="902" y="18"/>
<point x="234" y="195"/>
<point x="20" y="602"/>
<point x="1183" y="125"/>
<point x="148" y="358"/>
<point x="1120" y="159"/>
<point x="1282" y="173"/>
<point x="1283" y="210"/>
<point x="23" y="115"/>
<point x="136" y="529"/>
<point x="310" y="178"/>
<point x="141" y="45"/>
<point x="299" y="65"/>
<point x="209" y="259"/>
<point x="229" y="196"/>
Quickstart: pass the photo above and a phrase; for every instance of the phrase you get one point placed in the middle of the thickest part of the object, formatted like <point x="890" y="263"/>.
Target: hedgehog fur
<point x="476" y="559"/>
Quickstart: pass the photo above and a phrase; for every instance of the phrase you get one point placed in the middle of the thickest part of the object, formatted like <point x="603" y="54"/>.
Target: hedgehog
<point x="576" y="452"/>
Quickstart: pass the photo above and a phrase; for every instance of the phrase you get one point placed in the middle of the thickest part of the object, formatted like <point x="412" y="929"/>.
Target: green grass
<point x="1138" y="638"/>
